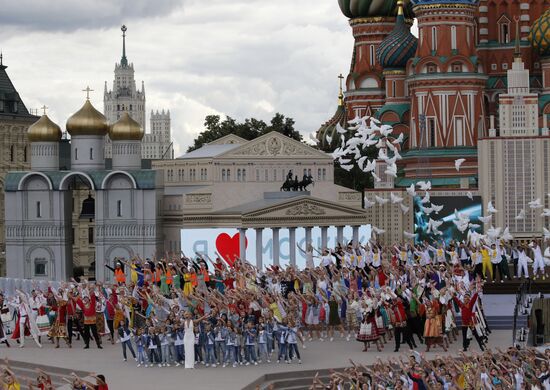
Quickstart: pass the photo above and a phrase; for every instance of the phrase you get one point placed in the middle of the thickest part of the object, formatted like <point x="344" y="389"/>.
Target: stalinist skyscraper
<point x="125" y="97"/>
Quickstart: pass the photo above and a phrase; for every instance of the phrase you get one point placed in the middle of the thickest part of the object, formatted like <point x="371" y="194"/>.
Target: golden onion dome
<point x="44" y="130"/>
<point x="87" y="121"/>
<point x="125" y="129"/>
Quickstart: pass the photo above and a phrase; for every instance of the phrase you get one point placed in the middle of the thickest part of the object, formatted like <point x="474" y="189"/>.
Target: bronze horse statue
<point x="296" y="185"/>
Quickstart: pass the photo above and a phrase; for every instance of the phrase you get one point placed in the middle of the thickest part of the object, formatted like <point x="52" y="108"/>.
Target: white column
<point x="356" y="235"/>
<point x="340" y="234"/>
<point x="259" y="247"/>
<point x="308" y="237"/>
<point x="242" y="243"/>
<point x="324" y="237"/>
<point x="276" y="247"/>
<point x="292" y="245"/>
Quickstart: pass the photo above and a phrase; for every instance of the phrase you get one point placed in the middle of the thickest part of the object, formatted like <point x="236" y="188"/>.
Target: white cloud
<point x="243" y="58"/>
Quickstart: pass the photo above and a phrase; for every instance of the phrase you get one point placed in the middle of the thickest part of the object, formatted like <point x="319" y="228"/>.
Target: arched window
<point x="91" y="153"/>
<point x="453" y="37"/>
<point x="238" y="175"/>
<point x="244" y="174"/>
<point x="25" y="154"/>
<point x="223" y="175"/>
<point x="434" y="38"/>
<point x="12" y="153"/>
<point x="229" y="175"/>
<point x="372" y="55"/>
<point x="76" y="154"/>
<point x="38" y="210"/>
<point x="119" y="208"/>
<point x="503" y="29"/>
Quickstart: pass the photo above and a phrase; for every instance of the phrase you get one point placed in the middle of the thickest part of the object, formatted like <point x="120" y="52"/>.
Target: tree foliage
<point x="249" y="129"/>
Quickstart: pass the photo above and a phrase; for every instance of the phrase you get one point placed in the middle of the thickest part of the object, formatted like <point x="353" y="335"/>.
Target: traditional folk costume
<point x="25" y="324"/>
<point x="433" y="326"/>
<point x="368" y="331"/>
<point x="59" y="326"/>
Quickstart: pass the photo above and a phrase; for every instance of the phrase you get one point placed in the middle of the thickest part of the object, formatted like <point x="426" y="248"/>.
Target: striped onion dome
<point x="539" y="35"/>
<point x="371" y="8"/>
<point x="400" y="45"/>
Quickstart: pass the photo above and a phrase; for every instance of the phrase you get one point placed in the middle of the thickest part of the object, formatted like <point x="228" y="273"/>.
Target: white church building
<point x="124" y="201"/>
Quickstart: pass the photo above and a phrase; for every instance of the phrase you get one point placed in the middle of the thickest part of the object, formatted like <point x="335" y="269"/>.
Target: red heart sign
<point x="228" y="247"/>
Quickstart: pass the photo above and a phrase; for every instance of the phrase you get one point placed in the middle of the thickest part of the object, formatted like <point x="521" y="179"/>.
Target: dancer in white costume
<point x="189" y="339"/>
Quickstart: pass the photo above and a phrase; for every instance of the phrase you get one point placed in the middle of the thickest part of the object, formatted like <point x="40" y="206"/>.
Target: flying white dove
<point x="493" y="232"/>
<point x="382" y="154"/>
<point x="458" y="163"/>
<point x="398" y="140"/>
<point x="506" y="236"/>
<point x="375" y="176"/>
<point x="486" y="219"/>
<point x="361" y="162"/>
<point x="424" y="186"/>
<point x="411" y="191"/>
<point x="474" y="225"/>
<point x="521" y="215"/>
<point x="545" y="213"/>
<point x="426" y="198"/>
<point x="469" y="195"/>
<point x="378" y="231"/>
<point x="370" y="167"/>
<point x="490" y="208"/>
<point x="404" y="208"/>
<point x="427" y="210"/>
<point x="535" y="204"/>
<point x="368" y="203"/>
<point x="391" y="170"/>
<point x="312" y="137"/>
<point x="437" y="208"/>
<point x="340" y="129"/>
<point x="434" y="225"/>
<point x="461" y="225"/>
<point x="409" y="235"/>
<point x="386" y="130"/>
<point x="395" y="198"/>
<point x="380" y="200"/>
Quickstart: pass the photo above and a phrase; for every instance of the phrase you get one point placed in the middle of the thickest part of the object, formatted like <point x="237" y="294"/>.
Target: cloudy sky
<point x="242" y="58"/>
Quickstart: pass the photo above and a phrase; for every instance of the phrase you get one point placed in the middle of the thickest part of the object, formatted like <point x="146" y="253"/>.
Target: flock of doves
<point x="367" y="132"/>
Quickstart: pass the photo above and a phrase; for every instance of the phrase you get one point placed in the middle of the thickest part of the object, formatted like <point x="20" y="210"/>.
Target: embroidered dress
<point x="368" y="330"/>
<point x="59" y="326"/>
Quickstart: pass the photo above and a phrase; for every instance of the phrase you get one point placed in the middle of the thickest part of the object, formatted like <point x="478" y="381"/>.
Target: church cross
<point x="44" y="108"/>
<point x="87" y="90"/>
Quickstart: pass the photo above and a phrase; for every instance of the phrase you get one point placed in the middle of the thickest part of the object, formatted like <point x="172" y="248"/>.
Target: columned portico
<point x="308" y="236"/>
<point x="242" y="243"/>
<point x="276" y="252"/>
<point x="324" y="237"/>
<point x="281" y="211"/>
<point x="355" y="235"/>
<point x="259" y="247"/>
<point x="340" y="234"/>
<point x="292" y="245"/>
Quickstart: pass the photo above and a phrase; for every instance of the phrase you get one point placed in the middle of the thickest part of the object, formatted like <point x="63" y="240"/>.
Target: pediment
<point x="228" y="139"/>
<point x="303" y="208"/>
<point x="273" y="145"/>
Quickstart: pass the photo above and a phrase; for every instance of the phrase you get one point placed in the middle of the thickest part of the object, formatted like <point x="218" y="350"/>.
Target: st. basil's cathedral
<point x="442" y="88"/>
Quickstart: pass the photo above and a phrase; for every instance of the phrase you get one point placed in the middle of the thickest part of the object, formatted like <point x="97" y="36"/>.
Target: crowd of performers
<point x="181" y="311"/>
<point x="499" y="369"/>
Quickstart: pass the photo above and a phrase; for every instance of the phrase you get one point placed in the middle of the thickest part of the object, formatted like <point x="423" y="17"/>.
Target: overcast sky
<point x="242" y="58"/>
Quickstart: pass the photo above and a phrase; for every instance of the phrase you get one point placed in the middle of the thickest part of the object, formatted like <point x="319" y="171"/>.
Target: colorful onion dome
<point x="400" y="45"/>
<point x="370" y="8"/>
<point x="87" y="121"/>
<point x="44" y="130"/>
<point x="125" y="129"/>
<point x="539" y="35"/>
<point x="449" y="2"/>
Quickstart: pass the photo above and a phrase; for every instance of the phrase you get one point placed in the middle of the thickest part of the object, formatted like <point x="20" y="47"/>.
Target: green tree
<point x="249" y="129"/>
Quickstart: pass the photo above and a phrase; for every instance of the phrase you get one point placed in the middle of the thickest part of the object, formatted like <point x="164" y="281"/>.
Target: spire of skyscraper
<point x="124" y="60"/>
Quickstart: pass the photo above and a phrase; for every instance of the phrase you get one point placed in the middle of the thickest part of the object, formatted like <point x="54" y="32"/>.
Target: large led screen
<point x="462" y="204"/>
